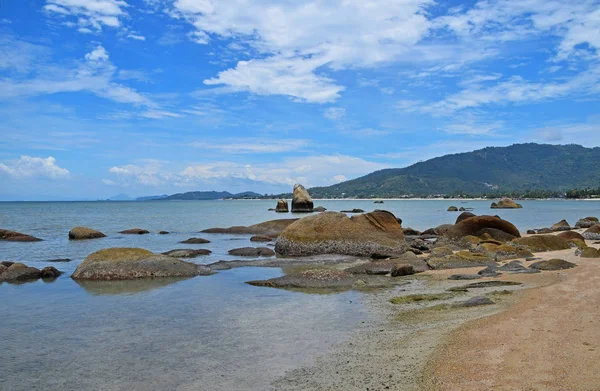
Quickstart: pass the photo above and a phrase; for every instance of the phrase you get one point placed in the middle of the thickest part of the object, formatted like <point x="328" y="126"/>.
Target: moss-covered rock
<point x="592" y="233"/>
<point x="590" y="252"/>
<point x="562" y="225"/>
<point x="460" y="259"/>
<point x="187" y="253"/>
<point x="506" y="203"/>
<point x="80" y="233"/>
<point x="552" y="264"/>
<point x="131" y="263"/>
<point x="539" y="243"/>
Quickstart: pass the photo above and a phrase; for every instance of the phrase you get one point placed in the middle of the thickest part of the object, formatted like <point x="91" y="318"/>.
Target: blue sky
<point x="99" y="97"/>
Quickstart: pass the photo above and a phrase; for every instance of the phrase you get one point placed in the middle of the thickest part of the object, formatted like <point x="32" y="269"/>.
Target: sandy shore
<point x="542" y="336"/>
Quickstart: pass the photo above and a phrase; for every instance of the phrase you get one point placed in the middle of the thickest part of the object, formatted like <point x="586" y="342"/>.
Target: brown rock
<point x="187" y="253"/>
<point x="590" y="252"/>
<point x="282" y="206"/>
<point x="261" y="238"/>
<point x="79" y="233"/>
<point x="478" y="225"/>
<point x="464" y="216"/>
<point x="553" y="264"/>
<point x="592" y="233"/>
<point x="506" y="203"/>
<point x="195" y="241"/>
<point x="19" y="272"/>
<point x="452" y="209"/>
<point x="561" y="226"/>
<point x="50" y="272"/>
<point x="301" y="202"/>
<point x="252" y="252"/>
<point x="336" y="233"/>
<point x="134" y="231"/>
<point x="571" y="235"/>
<point x="272" y="227"/>
<point x="540" y="243"/>
<point x="13" y="236"/>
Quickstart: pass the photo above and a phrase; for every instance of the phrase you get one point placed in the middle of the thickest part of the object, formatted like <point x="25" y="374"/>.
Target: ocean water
<point x="204" y="333"/>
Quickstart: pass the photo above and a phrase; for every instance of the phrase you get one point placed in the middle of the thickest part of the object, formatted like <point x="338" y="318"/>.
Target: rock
<point x="461" y="209"/>
<point x="336" y="233"/>
<point x="13" y="236"/>
<point x="261" y="238"/>
<point x="553" y="264"/>
<point x="302" y="202"/>
<point x="271" y="209"/>
<point x="252" y="252"/>
<point x="506" y="203"/>
<point x="531" y="232"/>
<point x="561" y="226"/>
<point x="282" y="206"/>
<point x="134" y="231"/>
<point x="586" y="222"/>
<point x="590" y="252"/>
<point x="187" y="253"/>
<point x="59" y="260"/>
<point x="512" y="267"/>
<point x="491" y="284"/>
<point x="452" y="209"/>
<point x="353" y="211"/>
<point x="272" y="227"/>
<point x="504" y="252"/>
<point x="195" y="241"/>
<point x="439" y="230"/>
<point x="441" y="251"/>
<point x="163" y="232"/>
<point x="571" y="235"/>
<point x="319" y="209"/>
<point x="592" y="233"/>
<point x="378" y="202"/>
<point x="387" y="266"/>
<point x="204" y="270"/>
<point x="79" y="233"/>
<point x="478" y="225"/>
<point x="464" y="216"/>
<point x="19" y="272"/>
<point x="411" y="232"/>
<point x="540" y="243"/>
<point x="7" y="264"/>
<point x="420" y="244"/>
<point x="312" y="278"/>
<point x="474" y="302"/>
<point x="543" y="231"/>
<point x="496" y="234"/>
<point x="131" y="263"/>
<point x="464" y="277"/>
<point x="402" y="270"/>
<point x="50" y="272"/>
<point x="490" y="271"/>
<point x="460" y="259"/>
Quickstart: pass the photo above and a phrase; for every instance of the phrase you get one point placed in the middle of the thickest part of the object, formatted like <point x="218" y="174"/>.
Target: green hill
<point x="492" y="170"/>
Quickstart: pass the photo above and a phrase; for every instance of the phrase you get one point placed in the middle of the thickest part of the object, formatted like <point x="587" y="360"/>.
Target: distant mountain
<point x="492" y="170"/>
<point x="211" y="195"/>
<point x="120" y="197"/>
<point x="150" y="198"/>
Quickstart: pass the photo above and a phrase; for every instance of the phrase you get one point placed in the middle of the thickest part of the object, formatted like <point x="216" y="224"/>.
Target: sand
<point x="544" y="336"/>
<point x="548" y="340"/>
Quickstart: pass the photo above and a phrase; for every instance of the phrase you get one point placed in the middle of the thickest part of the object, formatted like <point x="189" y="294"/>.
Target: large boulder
<point x="475" y="225"/>
<point x="19" y="272"/>
<point x="540" y="243"/>
<point x="336" y="233"/>
<point x="506" y="203"/>
<point x="301" y="202"/>
<point x="562" y="225"/>
<point x="78" y="233"/>
<point x="272" y="227"/>
<point x="131" y="263"/>
<point x="503" y="252"/>
<point x="586" y="222"/>
<point x="464" y="216"/>
<point x="592" y="233"/>
<point x="590" y="252"/>
<point x="571" y="235"/>
<point x="13" y="236"/>
<point x="282" y="206"/>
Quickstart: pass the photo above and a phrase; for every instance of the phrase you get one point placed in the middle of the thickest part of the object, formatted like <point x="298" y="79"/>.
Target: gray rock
<point x="552" y="264"/>
<point x="50" y="272"/>
<point x="489" y="284"/>
<point x="252" y="252"/>
<point x="490" y="271"/>
<point x="186" y="253"/>
<point x="464" y="277"/>
<point x="512" y="266"/>
<point x="195" y="241"/>
<point x="475" y="301"/>
<point x="19" y="272"/>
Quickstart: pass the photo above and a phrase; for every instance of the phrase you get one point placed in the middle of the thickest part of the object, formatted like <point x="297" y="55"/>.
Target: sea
<point x="202" y="333"/>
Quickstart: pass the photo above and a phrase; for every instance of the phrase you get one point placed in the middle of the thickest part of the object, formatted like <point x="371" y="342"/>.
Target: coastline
<point x="416" y="347"/>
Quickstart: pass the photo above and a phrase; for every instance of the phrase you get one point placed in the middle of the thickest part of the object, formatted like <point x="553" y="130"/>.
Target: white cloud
<point x="248" y="146"/>
<point x="310" y="170"/>
<point x="28" y="166"/>
<point x="335" y="113"/>
<point x="88" y="14"/>
<point x="136" y="37"/>
<point x="98" y="54"/>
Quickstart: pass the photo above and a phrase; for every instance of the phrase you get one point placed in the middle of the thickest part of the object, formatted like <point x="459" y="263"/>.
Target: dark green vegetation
<point x="526" y="170"/>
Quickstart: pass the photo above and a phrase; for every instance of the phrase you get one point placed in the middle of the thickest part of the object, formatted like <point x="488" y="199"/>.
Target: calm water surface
<point x="204" y="333"/>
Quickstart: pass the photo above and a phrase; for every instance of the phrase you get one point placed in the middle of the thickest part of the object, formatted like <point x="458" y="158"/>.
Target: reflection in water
<point x="98" y="288"/>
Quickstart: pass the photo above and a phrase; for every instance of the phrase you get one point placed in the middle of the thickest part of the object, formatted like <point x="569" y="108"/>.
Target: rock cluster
<point x="14" y="272"/>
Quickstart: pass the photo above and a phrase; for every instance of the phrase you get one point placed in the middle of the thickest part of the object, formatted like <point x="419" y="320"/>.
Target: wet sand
<point x="538" y="337"/>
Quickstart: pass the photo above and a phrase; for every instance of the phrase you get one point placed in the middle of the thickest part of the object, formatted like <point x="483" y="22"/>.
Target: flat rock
<point x="187" y="253"/>
<point x="163" y="232"/>
<point x="490" y="271"/>
<point x="135" y="231"/>
<point x="252" y="252"/>
<point x="195" y="241"/>
<point x="272" y="227"/>
<point x="59" y="260"/>
<point x="80" y="233"/>
<point x="540" y="243"/>
<point x="552" y="264"/>
<point x="465" y="277"/>
<point x="352" y="211"/>
<point x="261" y="238"/>
<point x="491" y="284"/>
<point x="474" y="302"/>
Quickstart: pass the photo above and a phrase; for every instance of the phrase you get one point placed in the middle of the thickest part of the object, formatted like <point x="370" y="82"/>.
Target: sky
<point x="145" y="97"/>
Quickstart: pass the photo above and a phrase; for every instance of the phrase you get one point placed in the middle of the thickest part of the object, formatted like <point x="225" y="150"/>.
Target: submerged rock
<point x="252" y="252"/>
<point x="50" y="272"/>
<point x="301" y="202"/>
<point x="506" y="203"/>
<point x="79" y="233"/>
<point x="131" y="263"/>
<point x="336" y="233"/>
<point x="319" y="209"/>
<point x="272" y="227"/>
<point x="13" y="236"/>
<point x="19" y="272"/>
<point x="135" y="231"/>
<point x="282" y="206"/>
<point x="592" y="233"/>
<point x="452" y="209"/>
<point x="163" y="232"/>
<point x="540" y="243"/>
<point x="553" y="264"/>
<point x="186" y="253"/>
<point x="378" y="202"/>
<point x="195" y="241"/>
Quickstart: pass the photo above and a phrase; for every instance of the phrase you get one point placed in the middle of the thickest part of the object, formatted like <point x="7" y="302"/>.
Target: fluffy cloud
<point x="88" y="14"/>
<point x="27" y="166"/>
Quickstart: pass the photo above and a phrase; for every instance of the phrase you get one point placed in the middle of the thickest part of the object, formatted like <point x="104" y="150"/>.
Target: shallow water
<point x="209" y="333"/>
